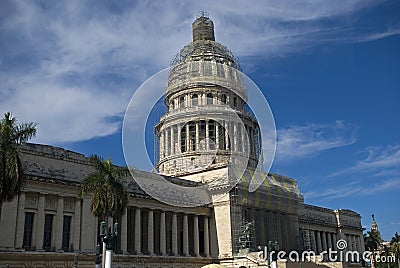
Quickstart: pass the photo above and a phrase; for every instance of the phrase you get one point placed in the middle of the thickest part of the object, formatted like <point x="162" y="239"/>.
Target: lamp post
<point x="98" y="252"/>
<point x="109" y="239"/>
<point x="273" y="247"/>
<point x="75" y="265"/>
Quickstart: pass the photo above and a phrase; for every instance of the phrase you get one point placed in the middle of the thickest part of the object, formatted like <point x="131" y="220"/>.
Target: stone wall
<point x="66" y="260"/>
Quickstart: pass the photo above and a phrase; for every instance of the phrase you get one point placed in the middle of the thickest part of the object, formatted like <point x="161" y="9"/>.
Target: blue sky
<point x="329" y="70"/>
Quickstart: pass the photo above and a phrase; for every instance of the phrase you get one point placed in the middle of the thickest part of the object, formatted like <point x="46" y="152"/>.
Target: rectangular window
<point x="66" y="233"/>
<point x="195" y="68"/>
<point x="220" y="70"/>
<point x="48" y="229"/>
<point x="207" y="68"/>
<point x="28" y="228"/>
<point x="211" y="135"/>
<point x="192" y="137"/>
<point x="221" y="137"/>
<point x="183" y="139"/>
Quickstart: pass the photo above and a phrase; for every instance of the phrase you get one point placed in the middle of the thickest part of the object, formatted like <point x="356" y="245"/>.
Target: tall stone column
<point x="353" y="242"/>
<point x="124" y="231"/>
<point x="235" y="138"/>
<point x="334" y="241"/>
<point x="362" y="246"/>
<point x="319" y="242"/>
<point x="356" y="242"/>
<point x="163" y="238"/>
<point x="216" y="136"/>
<point x="185" y="235"/>
<point x="196" y="235"/>
<point x="207" y="136"/>
<point x="197" y="136"/>
<point x="179" y="138"/>
<point x="40" y="223"/>
<point x="329" y="238"/>
<point x="59" y="223"/>
<point x="243" y="137"/>
<point x="138" y="232"/>
<point x="19" y="232"/>
<point x="264" y="227"/>
<point x="323" y="237"/>
<point x="167" y="144"/>
<point x="313" y="241"/>
<point x="278" y="228"/>
<point x="270" y="226"/>
<point x="172" y="141"/>
<point x="206" y="237"/>
<point x="77" y="225"/>
<point x="187" y="138"/>
<point x="162" y="149"/>
<point x="227" y="136"/>
<point x="252" y="143"/>
<point x="174" y="234"/>
<point x="150" y="232"/>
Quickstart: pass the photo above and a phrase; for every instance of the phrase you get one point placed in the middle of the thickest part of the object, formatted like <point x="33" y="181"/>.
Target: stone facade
<point x="48" y="223"/>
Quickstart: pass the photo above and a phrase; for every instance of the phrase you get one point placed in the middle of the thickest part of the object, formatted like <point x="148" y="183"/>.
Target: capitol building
<point x="207" y="122"/>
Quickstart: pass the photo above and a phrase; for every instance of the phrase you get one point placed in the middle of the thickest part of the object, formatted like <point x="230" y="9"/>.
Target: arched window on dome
<point x="223" y="98"/>
<point x="234" y="102"/>
<point x="182" y="102"/>
<point x="195" y="100"/>
<point x="209" y="98"/>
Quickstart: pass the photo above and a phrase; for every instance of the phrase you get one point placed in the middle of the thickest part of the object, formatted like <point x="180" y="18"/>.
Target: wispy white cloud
<point x="375" y="161"/>
<point x="377" y="36"/>
<point x="377" y="171"/>
<point x="355" y="188"/>
<point x="72" y="65"/>
<point x="300" y="141"/>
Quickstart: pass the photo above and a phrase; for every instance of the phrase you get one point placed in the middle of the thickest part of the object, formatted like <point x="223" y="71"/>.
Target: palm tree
<point x="395" y="244"/>
<point x="372" y="242"/>
<point x="109" y="197"/>
<point x="12" y="178"/>
<point x="386" y="249"/>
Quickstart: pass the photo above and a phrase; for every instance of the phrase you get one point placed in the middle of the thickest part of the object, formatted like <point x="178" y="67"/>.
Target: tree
<point x="12" y="134"/>
<point x="372" y="242"/>
<point x="109" y="197"/>
<point x="395" y="245"/>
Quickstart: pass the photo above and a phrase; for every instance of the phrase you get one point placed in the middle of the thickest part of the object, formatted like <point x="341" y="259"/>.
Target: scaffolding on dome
<point x="213" y="49"/>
